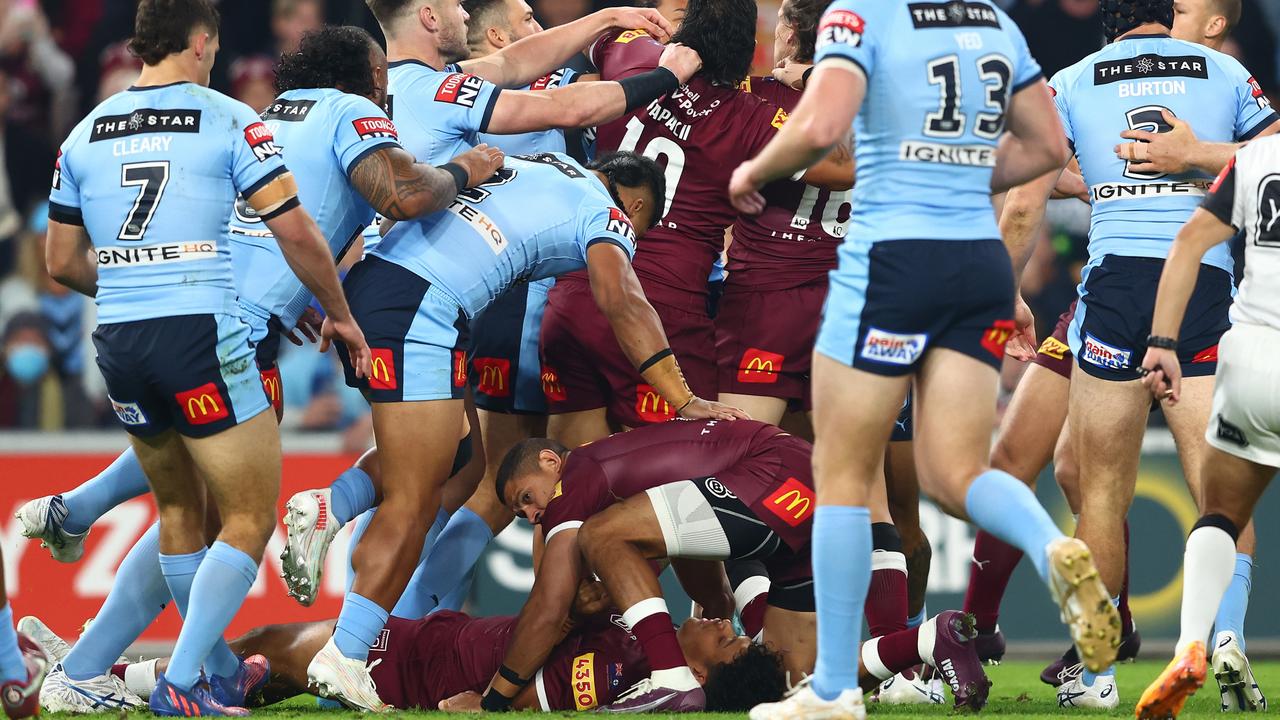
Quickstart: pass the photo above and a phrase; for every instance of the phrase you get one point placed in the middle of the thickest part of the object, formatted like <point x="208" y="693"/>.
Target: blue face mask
<point x="27" y="363"/>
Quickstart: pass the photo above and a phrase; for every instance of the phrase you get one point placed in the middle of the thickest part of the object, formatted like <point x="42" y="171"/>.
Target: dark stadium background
<point x="58" y="58"/>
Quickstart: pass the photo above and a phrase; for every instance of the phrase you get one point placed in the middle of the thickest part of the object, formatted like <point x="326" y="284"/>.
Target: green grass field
<point x="1017" y="692"/>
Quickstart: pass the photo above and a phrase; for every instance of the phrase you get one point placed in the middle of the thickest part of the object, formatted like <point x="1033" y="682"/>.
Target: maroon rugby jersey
<point x="620" y="466"/>
<point x="794" y="241"/>
<point x="699" y="133"/>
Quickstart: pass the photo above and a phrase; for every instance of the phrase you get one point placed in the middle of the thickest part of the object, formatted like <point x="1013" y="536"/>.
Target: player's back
<point x="540" y="141"/>
<point x="1126" y="86"/>
<point x="1254" y="209"/>
<point x="439" y="113"/>
<point x="940" y="75"/>
<point x="153" y="172"/>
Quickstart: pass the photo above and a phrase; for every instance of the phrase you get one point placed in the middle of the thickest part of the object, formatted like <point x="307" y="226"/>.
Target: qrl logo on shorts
<point x="382" y="371"/>
<point x="495" y="376"/>
<point x="129" y="413"/>
<point x="650" y="406"/>
<point x="203" y="405"/>
<point x="793" y="502"/>
<point x="460" y="89"/>
<point x="759" y="366"/>
<point x="1096" y="352"/>
<point x="893" y="348"/>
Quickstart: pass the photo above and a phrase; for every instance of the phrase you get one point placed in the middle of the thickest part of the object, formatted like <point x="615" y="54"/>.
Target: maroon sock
<point x="898" y="651"/>
<point x="992" y="566"/>
<point x="118" y="669"/>
<point x="752" y="615"/>
<point x="1126" y="617"/>
<point x="658" y="638"/>
<point x="886" y="607"/>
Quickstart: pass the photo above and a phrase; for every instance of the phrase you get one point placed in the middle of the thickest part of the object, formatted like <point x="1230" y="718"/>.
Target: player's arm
<point x="1035" y="143"/>
<point x="527" y="60"/>
<point x="68" y="253"/>
<point x="639" y="332"/>
<point x="400" y="188"/>
<point x="1179" y="150"/>
<point x="836" y="171"/>
<point x="821" y="120"/>
<point x="584" y="104"/>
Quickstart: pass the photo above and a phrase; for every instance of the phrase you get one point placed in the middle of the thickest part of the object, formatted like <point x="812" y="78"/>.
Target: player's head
<point x="736" y="674"/>
<point x="495" y="24"/>
<point x="1121" y="16"/>
<point x="637" y="185"/>
<point x="528" y="475"/>
<point x="796" y="33"/>
<point x="724" y="34"/>
<point x="1207" y="22"/>
<point x="187" y="29"/>
<point x="336" y="56"/>
<point x="443" y="23"/>
<point x="672" y="10"/>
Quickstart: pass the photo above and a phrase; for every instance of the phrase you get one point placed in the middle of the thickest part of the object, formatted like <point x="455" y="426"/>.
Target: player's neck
<point x="167" y="72"/>
<point x="1146" y="29"/>
<point x="423" y="52"/>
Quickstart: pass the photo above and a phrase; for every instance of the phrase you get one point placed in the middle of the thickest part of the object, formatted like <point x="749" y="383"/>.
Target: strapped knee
<point x="1222" y="522"/>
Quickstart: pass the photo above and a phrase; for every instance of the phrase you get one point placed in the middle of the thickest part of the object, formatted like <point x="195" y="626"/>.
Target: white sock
<point x="1208" y="564"/>
<point x="140" y="678"/>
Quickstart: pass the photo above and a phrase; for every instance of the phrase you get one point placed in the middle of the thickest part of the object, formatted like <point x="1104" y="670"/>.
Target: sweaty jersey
<point x="534" y="219"/>
<point x="939" y="79"/>
<point x="1125" y="86"/>
<point x="620" y="466"/>
<point x="440" y="114"/>
<point x="152" y="173"/>
<point x="1246" y="196"/>
<point x="794" y="241"/>
<point x="531" y="143"/>
<point x="699" y="134"/>
<point x="325" y="133"/>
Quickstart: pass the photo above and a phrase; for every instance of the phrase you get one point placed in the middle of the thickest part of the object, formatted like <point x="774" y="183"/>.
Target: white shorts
<point x="689" y="524"/>
<point x="1246" y="398"/>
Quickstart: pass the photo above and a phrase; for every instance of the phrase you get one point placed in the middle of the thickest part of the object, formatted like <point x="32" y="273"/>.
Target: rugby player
<point x="939" y="309"/>
<point x="171" y="344"/>
<point x="693" y="492"/>
<point x="1136" y="212"/>
<point x="23" y="664"/>
<point x="699" y="132"/>
<point x="1242" y="456"/>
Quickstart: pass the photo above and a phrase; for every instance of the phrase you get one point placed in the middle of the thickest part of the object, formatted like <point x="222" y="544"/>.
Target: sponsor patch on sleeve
<point x="619" y="223"/>
<point x="261" y="142"/>
<point x="779" y="119"/>
<point x="460" y="89"/>
<point x="628" y="35"/>
<point x="57" y="172"/>
<point x="841" y="27"/>
<point x="375" y="127"/>
<point x="548" y="81"/>
<point x="1259" y="97"/>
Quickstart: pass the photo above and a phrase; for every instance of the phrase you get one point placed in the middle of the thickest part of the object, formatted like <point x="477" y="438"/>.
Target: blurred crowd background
<point x="59" y="58"/>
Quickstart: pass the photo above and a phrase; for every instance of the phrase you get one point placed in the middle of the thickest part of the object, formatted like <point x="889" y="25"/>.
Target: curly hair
<point x="755" y="676"/>
<point x="724" y="34"/>
<point x="1121" y="16"/>
<point x="632" y="170"/>
<point x="521" y="459"/>
<point x="335" y="56"/>
<point x="803" y="17"/>
<point x="163" y="27"/>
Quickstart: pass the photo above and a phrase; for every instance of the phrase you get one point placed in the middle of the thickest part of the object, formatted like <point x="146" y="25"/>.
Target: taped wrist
<point x="644" y="88"/>
<point x="460" y="176"/>
<point x="494" y="701"/>
<point x="663" y="374"/>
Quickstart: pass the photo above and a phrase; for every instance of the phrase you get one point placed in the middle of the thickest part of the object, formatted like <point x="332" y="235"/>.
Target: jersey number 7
<point x="150" y="178"/>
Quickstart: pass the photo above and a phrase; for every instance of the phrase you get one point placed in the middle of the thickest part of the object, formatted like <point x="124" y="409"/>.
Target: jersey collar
<point x="1145" y="36"/>
<point x="135" y="88"/>
<point x="410" y="61"/>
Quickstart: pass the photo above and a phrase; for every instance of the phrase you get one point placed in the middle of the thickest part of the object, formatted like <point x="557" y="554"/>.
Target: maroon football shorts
<point x="1054" y="353"/>
<point x="764" y="341"/>
<point x="420" y="665"/>
<point x="583" y="368"/>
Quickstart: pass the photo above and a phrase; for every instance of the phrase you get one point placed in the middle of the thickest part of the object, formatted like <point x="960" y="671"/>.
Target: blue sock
<point x="457" y="597"/>
<point x="1235" y="602"/>
<point x="137" y="596"/>
<point x="841" y="576"/>
<point x="352" y="494"/>
<point x="414" y="603"/>
<point x="216" y="592"/>
<point x="122" y="480"/>
<point x="1090" y="677"/>
<point x="11" y="665"/>
<point x="357" y="532"/>
<point x="918" y="619"/>
<point x="359" y="623"/>
<point x="1000" y="504"/>
<point x="453" y="555"/>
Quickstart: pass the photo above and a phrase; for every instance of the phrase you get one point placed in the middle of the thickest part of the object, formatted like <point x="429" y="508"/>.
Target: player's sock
<point x="140" y="677"/>
<point x="1126" y="616"/>
<point x="217" y="591"/>
<point x="458" y="596"/>
<point x="651" y="623"/>
<point x="841" y="575"/>
<point x="993" y="564"/>
<point x="450" y="559"/>
<point x="751" y="597"/>
<point x="888" y="655"/>
<point x="357" y="532"/>
<point x="358" y="626"/>
<point x="1003" y="506"/>
<point x="137" y="596"/>
<point x="1090" y="677"/>
<point x="1235" y="602"/>
<point x="886" y="607"/>
<point x="122" y="480"/>
<point x="413" y="602"/>
<point x="11" y="665"/>
<point x="919" y="618"/>
<point x="353" y="493"/>
<point x="180" y="573"/>
<point x="1207" y="571"/>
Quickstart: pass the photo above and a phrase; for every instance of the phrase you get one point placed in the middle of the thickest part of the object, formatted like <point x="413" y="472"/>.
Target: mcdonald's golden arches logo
<point x="650" y="406"/>
<point x="382" y="371"/>
<point x="759" y="366"/>
<point x="494" y="376"/>
<point x="792" y="502"/>
<point x="203" y="405"/>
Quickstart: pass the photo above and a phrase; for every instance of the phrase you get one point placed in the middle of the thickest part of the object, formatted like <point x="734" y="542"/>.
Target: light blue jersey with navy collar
<point x="1126" y="86"/>
<point x="535" y="219"/>
<point x="440" y="113"/>
<point x="531" y="143"/>
<point x="324" y="133"/>
<point x="939" y="79"/>
<point x="152" y="173"/>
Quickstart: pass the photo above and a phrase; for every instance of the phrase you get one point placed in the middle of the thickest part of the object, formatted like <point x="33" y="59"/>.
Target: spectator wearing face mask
<point x="30" y="395"/>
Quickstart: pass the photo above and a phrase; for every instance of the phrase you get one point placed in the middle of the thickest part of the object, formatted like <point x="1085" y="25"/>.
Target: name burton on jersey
<point x="1152" y="87"/>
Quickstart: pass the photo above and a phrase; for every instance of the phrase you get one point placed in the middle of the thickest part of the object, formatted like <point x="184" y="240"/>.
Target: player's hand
<point x="348" y="332"/>
<point x="791" y="73"/>
<point x="591" y="599"/>
<point x="681" y="60"/>
<point x="309" y="324"/>
<point x="646" y="19"/>
<point x="1071" y="185"/>
<point x="744" y="192"/>
<point x="699" y="409"/>
<point x="1162" y="374"/>
<point x="480" y="162"/>
<point x="468" y="701"/>
<point x="1165" y="152"/>
<point x="1022" y="344"/>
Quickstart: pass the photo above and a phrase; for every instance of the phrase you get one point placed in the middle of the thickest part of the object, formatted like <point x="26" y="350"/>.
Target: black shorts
<point x="506" y="369"/>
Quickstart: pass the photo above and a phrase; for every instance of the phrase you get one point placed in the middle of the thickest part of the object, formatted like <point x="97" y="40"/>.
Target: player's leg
<point x="944" y="642"/>
<point x="759" y="407"/>
<point x="23" y="665"/>
<point x="903" y="494"/>
<point x="289" y="649"/>
<point x="576" y="345"/>
<point x="886" y="607"/>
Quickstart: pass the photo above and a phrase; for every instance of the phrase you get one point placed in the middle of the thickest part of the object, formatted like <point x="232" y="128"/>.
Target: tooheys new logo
<point x="460" y="89"/>
<point x="843" y="27"/>
<point x="547" y="81"/>
<point x="260" y="141"/>
<point x="375" y="127"/>
<point x="619" y="223"/>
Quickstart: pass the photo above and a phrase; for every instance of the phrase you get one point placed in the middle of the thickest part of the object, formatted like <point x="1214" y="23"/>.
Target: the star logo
<point x="1145" y="65"/>
<point x="135" y="121"/>
<point x="956" y="12"/>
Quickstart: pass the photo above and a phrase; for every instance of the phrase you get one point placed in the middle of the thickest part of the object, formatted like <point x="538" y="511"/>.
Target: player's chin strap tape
<point x="460" y="176"/>
<point x="663" y="374"/>
<point x="644" y="88"/>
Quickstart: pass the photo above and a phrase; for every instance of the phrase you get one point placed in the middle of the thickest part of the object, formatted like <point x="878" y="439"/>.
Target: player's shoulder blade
<point x="295" y="106"/>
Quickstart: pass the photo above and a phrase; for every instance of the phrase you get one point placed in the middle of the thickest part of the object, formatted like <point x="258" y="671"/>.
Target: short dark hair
<point x="481" y="12"/>
<point x="384" y="11"/>
<point x="724" y="34"/>
<point x="163" y="27"/>
<point x="522" y="459"/>
<point x="632" y="170"/>
<point x="1121" y="16"/>
<point x="803" y="17"/>
<point x="335" y="56"/>
<point x="755" y="676"/>
<point x="1229" y="9"/>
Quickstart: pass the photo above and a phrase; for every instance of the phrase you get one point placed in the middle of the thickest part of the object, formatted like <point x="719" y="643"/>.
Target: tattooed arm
<point x="400" y="188"/>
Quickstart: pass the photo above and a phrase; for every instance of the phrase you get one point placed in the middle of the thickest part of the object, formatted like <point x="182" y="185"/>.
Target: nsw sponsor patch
<point x="841" y="27"/>
<point x="375" y="127"/>
<point x="460" y="89"/>
<point x="1150" y="66"/>
<point x="893" y="348"/>
<point x="620" y="224"/>
<point x="260" y="141"/>
<point x="129" y="413"/>
<point x="1096" y="352"/>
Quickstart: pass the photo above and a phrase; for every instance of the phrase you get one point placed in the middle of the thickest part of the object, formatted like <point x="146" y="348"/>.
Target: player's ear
<point x="1217" y="26"/>
<point x="699" y="672"/>
<point x="199" y="43"/>
<point x="427" y="16"/>
<point x="496" y="37"/>
<point x="636" y="208"/>
<point x="549" y="460"/>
